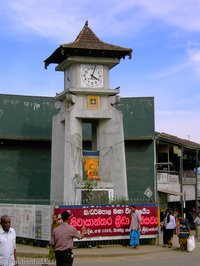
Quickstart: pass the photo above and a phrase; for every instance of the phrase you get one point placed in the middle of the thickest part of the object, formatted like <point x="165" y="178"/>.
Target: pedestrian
<point x="163" y="229"/>
<point x="197" y="226"/>
<point x="183" y="232"/>
<point x="170" y="228"/>
<point x="54" y="224"/>
<point x="135" y="227"/>
<point x="8" y="255"/>
<point x="62" y="240"/>
<point x="59" y="219"/>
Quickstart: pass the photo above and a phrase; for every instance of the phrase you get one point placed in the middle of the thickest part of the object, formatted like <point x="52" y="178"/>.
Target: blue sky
<point x="164" y="36"/>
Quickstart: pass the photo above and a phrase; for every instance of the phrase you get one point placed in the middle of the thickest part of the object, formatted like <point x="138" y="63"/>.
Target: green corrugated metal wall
<point x="25" y="150"/>
<point x="25" y="172"/>
<point x="30" y="117"/>
<point x="138" y="117"/>
<point x="26" y="117"/>
<point x="140" y="169"/>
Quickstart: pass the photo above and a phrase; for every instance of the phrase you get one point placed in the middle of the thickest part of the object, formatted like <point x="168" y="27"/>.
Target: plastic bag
<point x="190" y="244"/>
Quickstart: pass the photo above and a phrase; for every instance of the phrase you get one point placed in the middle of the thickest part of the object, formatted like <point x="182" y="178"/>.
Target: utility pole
<point x="181" y="182"/>
<point x="196" y="187"/>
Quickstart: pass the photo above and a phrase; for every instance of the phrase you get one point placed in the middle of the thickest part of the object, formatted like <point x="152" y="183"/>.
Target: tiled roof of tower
<point x="87" y="44"/>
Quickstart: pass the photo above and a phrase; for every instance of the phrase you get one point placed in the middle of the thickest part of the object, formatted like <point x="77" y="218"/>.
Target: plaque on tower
<point x="93" y="102"/>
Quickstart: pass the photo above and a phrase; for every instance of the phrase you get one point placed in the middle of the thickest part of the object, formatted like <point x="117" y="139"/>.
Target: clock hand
<point x="92" y="76"/>
<point x="93" y="70"/>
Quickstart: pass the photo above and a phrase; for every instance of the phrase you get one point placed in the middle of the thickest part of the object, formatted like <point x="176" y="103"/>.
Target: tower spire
<point x="86" y="23"/>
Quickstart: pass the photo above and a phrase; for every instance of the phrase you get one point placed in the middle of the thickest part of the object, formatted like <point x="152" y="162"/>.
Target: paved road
<point x="122" y="256"/>
<point x="166" y="258"/>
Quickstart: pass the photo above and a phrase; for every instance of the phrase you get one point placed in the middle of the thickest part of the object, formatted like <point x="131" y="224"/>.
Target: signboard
<point x="111" y="220"/>
<point x="148" y="192"/>
<point x="101" y="221"/>
<point x="173" y="179"/>
<point x="29" y="221"/>
<point x="162" y="178"/>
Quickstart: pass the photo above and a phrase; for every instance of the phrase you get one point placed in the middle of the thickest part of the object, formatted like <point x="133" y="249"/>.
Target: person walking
<point x="135" y="227"/>
<point x="197" y="226"/>
<point x="62" y="240"/>
<point x="183" y="232"/>
<point x="8" y="255"/>
<point x="163" y="229"/>
<point x="170" y="227"/>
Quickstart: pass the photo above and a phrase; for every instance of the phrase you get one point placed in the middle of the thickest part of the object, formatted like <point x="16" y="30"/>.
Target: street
<point x="172" y="257"/>
<point x="169" y="257"/>
<point x="146" y="255"/>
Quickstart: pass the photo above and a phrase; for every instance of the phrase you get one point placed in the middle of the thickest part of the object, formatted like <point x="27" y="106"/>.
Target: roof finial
<point x="86" y="23"/>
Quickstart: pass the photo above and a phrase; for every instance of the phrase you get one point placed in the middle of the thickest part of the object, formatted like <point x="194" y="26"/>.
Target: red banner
<point x="111" y="220"/>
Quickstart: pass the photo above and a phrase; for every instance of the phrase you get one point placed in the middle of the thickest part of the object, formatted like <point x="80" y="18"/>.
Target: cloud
<point x="180" y="121"/>
<point x="180" y="13"/>
<point x="60" y="19"/>
<point x="50" y="19"/>
<point x="172" y="70"/>
<point x="194" y="56"/>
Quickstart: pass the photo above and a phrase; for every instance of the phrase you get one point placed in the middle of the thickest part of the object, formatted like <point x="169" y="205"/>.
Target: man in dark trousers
<point x="62" y="240"/>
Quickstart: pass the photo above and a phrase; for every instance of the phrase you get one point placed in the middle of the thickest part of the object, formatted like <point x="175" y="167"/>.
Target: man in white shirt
<point x="7" y="243"/>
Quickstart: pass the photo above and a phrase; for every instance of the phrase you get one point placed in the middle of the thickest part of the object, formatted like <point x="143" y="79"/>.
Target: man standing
<point x="197" y="224"/>
<point x="62" y="240"/>
<point x="54" y="224"/>
<point x="7" y="243"/>
<point x="135" y="227"/>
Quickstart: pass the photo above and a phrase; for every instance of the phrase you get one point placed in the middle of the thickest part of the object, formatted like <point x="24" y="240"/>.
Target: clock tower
<point x="87" y="104"/>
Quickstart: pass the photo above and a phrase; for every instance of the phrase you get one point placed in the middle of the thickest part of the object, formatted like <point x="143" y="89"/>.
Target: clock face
<point x="91" y="76"/>
<point x="68" y="78"/>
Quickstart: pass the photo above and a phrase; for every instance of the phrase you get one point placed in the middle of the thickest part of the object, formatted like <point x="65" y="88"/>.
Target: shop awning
<point x="171" y="192"/>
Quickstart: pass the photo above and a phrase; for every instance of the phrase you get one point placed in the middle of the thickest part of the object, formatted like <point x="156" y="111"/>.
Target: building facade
<point x="25" y="150"/>
<point x="177" y="173"/>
